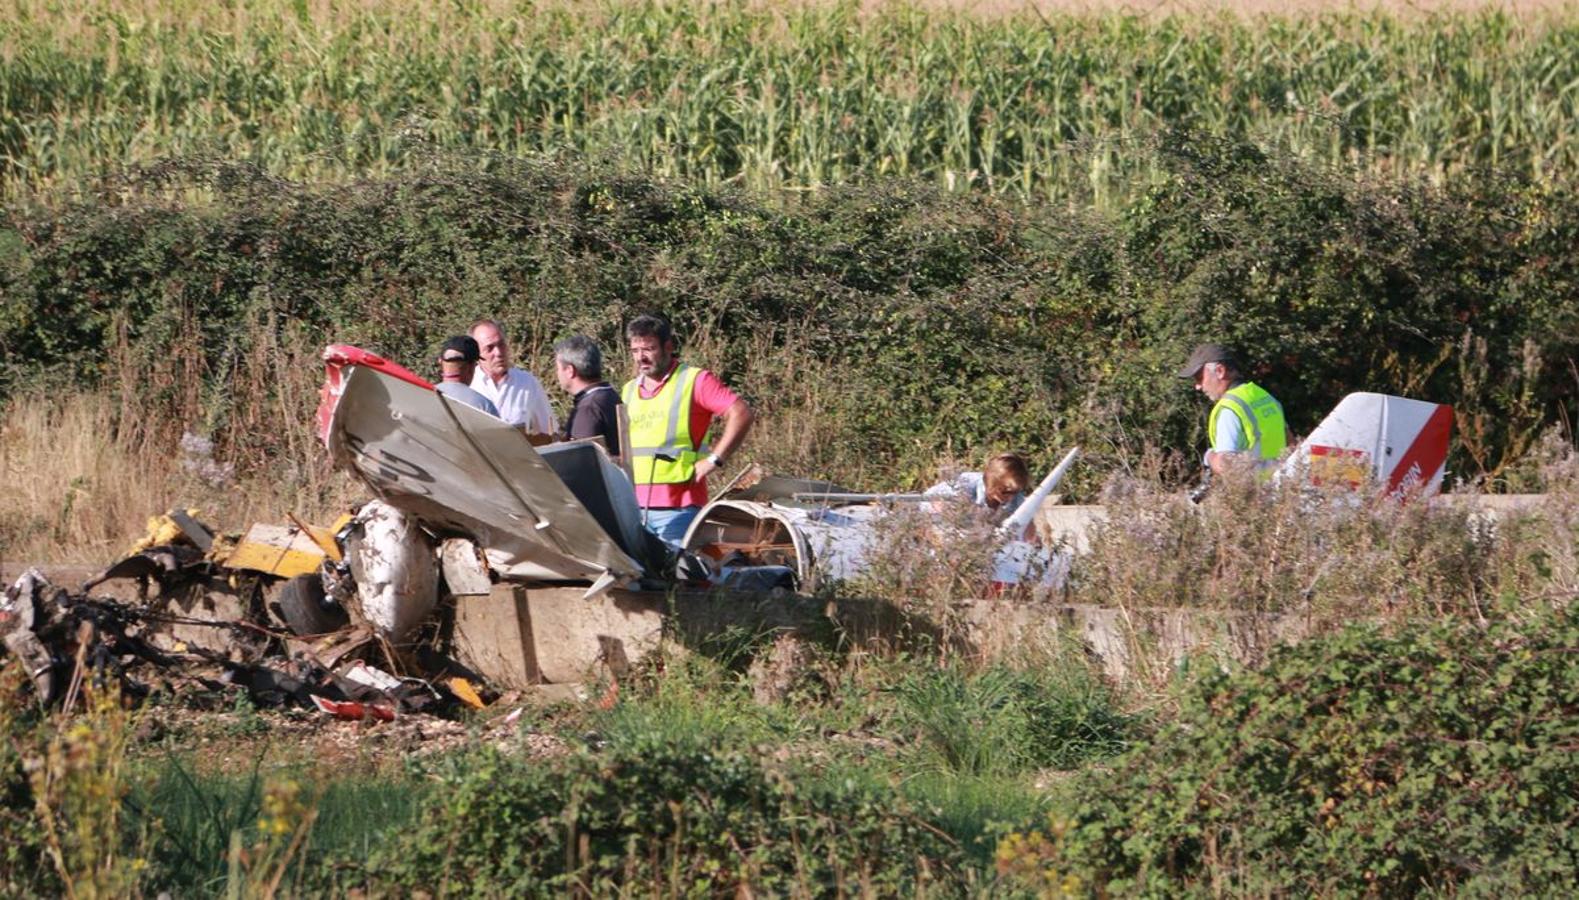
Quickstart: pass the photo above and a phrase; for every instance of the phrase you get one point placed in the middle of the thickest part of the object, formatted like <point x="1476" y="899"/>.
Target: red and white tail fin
<point x="1376" y="439"/>
<point x="336" y="359"/>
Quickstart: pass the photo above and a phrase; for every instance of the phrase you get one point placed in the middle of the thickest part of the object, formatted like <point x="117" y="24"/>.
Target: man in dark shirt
<point x="594" y="410"/>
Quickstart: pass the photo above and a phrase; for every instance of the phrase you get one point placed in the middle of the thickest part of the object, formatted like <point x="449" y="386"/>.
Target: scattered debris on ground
<point x="214" y="618"/>
<point x="227" y="738"/>
<point x="278" y="621"/>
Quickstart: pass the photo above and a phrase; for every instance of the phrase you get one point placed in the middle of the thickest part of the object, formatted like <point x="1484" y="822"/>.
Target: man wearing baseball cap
<point x="1246" y="423"/>
<point x="457" y="362"/>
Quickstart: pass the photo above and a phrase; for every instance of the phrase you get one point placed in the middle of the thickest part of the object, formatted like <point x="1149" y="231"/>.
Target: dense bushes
<point x="876" y="326"/>
<point x="1337" y="281"/>
<point x="1438" y="758"/>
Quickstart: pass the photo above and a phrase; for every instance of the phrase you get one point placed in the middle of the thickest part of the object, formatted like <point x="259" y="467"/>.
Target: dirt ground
<point x="70" y="576"/>
<point x="232" y="740"/>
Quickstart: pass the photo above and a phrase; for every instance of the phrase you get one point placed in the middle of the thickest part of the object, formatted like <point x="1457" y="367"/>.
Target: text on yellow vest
<point x="662" y="450"/>
<point x="1259" y="414"/>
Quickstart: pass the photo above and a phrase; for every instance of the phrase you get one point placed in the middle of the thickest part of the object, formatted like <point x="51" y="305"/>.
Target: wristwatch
<point x="716" y="460"/>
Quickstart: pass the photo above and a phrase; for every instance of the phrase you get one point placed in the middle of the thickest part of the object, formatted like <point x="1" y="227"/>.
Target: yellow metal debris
<point x="162" y="530"/>
<point x="463" y="691"/>
<point x="279" y="550"/>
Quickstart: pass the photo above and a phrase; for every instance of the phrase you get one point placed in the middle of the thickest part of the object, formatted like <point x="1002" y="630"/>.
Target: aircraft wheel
<point x="304" y="607"/>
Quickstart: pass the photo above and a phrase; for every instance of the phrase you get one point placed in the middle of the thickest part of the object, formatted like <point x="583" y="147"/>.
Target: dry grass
<point x="1328" y="556"/>
<point x="85" y="472"/>
<point x="78" y="490"/>
<point x="68" y="484"/>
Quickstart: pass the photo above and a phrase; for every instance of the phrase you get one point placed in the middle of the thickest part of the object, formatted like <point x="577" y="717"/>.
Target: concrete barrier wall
<point x="518" y="636"/>
<point x="1072" y="526"/>
<point x="1128" y="643"/>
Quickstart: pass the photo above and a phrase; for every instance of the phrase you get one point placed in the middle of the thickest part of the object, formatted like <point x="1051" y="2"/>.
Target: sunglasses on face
<point x="454" y="359"/>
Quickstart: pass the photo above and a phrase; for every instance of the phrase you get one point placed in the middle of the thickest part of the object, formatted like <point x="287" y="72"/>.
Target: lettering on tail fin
<point x="1426" y="454"/>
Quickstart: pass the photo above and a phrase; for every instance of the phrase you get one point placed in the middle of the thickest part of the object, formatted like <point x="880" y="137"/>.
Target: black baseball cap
<point x="466" y="346"/>
<point x="1207" y="353"/>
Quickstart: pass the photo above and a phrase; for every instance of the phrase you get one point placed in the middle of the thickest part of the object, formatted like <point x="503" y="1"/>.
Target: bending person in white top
<point x="516" y="392"/>
<point x="999" y="486"/>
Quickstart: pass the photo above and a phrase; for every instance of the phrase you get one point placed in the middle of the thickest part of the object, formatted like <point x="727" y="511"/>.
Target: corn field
<point x="794" y="97"/>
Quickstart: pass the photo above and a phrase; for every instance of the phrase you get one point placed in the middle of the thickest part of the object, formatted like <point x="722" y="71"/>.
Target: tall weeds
<point x="73" y="487"/>
<point x="1000" y="719"/>
<point x="1252" y="567"/>
<point x="65" y="784"/>
<point x="80" y="484"/>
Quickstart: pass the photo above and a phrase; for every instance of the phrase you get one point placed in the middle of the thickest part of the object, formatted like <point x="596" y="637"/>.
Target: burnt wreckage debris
<point x="204" y="632"/>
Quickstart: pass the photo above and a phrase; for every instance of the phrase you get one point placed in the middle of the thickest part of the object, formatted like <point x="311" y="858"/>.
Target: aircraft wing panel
<point x="459" y="469"/>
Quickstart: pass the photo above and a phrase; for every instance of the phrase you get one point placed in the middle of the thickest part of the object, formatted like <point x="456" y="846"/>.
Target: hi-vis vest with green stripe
<point x="1259" y="413"/>
<point x="662" y="451"/>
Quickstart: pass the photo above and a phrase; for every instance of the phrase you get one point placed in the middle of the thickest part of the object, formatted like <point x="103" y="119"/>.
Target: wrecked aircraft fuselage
<point x="566" y="513"/>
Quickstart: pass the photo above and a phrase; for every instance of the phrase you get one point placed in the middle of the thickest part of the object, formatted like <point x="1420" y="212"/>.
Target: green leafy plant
<point x="661" y="814"/>
<point x="1438" y="758"/>
<point x="1002" y="720"/>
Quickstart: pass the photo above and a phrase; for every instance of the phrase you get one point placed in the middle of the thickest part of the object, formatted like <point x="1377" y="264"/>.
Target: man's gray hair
<point x="582" y="354"/>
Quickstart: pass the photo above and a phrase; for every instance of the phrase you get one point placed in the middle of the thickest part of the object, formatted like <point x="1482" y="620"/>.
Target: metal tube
<point x="861" y="498"/>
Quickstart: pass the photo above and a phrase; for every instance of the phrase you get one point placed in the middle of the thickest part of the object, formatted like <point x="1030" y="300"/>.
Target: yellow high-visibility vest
<point x="662" y="450"/>
<point x="1260" y="415"/>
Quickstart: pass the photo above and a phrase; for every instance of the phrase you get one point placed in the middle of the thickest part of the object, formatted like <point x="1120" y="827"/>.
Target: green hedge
<point x="1438" y="760"/>
<point x="901" y="321"/>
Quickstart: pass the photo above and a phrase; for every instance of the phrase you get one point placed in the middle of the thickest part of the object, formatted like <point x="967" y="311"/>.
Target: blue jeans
<point x="670" y="524"/>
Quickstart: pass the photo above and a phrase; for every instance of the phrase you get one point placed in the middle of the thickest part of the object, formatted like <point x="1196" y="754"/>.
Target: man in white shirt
<point x="516" y="392"/>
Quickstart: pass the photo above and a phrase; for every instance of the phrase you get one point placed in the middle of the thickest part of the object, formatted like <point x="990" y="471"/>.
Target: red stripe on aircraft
<point x="337" y="358"/>
<point x="348" y="355"/>
<point x="1428" y="452"/>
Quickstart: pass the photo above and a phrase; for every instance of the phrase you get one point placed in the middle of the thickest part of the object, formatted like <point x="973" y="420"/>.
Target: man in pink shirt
<point x="671" y="405"/>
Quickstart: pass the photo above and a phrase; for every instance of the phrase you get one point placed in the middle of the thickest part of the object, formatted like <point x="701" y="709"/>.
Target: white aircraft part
<point x="1022" y="562"/>
<point x="459" y="470"/>
<point x="838" y="538"/>
<point x="604" y="582"/>
<point x="1376" y="438"/>
<point x="710" y="522"/>
<point x="464" y="570"/>
<point x="373" y="677"/>
<point x="1015" y="525"/>
<point x="835" y="543"/>
<point x="397" y="577"/>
